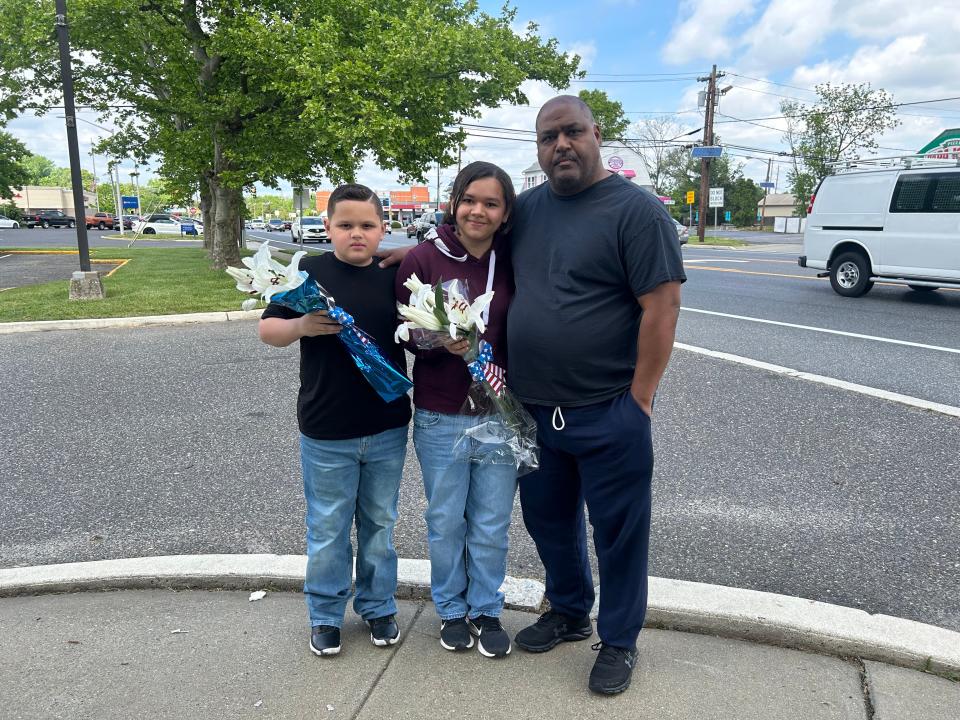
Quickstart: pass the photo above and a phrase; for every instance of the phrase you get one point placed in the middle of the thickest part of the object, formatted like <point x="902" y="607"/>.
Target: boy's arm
<point x="281" y="332"/>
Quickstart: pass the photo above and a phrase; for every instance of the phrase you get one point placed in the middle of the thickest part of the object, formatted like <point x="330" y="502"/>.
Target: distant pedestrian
<point x="352" y="443"/>
<point x="469" y="498"/>
<point x="598" y="268"/>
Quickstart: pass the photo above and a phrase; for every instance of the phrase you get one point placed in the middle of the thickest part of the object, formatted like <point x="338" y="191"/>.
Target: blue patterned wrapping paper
<point x="382" y="375"/>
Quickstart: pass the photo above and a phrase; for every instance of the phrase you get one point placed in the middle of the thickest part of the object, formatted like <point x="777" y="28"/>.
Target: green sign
<point x="946" y="145"/>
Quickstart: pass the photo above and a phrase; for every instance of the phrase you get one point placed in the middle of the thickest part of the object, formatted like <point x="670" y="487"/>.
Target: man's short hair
<point x="573" y="100"/>
<point x="354" y="191"/>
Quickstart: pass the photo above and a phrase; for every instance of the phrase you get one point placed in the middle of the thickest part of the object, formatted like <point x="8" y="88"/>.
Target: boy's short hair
<point x="354" y="191"/>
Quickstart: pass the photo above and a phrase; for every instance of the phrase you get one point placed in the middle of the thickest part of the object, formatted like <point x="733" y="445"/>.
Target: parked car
<point x="6" y="222"/>
<point x="166" y="224"/>
<point x="275" y="224"/>
<point x="101" y="221"/>
<point x="48" y="218"/>
<point x="129" y="221"/>
<point x="286" y="224"/>
<point x="894" y="220"/>
<point x="258" y="224"/>
<point x="683" y="232"/>
<point x="309" y="229"/>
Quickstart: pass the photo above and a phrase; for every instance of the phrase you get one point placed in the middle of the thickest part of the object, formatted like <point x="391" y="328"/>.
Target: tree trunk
<point x="206" y="209"/>
<point x="225" y="247"/>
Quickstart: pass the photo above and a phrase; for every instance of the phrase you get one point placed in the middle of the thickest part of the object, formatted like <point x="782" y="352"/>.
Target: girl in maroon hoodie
<point x="469" y="501"/>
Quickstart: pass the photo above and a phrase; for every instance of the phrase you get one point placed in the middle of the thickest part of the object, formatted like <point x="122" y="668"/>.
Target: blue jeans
<point x="469" y="504"/>
<point x="346" y="481"/>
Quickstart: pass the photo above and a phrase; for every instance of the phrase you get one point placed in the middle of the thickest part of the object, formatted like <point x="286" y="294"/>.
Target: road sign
<point x="716" y="197"/>
<point x="727" y="216"/>
<point x="691" y="197"/>
<point x="707" y="151"/>
<point x="768" y="185"/>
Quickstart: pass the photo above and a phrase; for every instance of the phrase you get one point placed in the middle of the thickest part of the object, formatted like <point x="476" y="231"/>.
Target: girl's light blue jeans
<point x="347" y="481"/>
<point x="469" y="504"/>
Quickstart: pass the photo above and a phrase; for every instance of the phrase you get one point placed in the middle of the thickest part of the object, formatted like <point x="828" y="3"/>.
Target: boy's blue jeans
<point x="469" y="504"/>
<point x="345" y="481"/>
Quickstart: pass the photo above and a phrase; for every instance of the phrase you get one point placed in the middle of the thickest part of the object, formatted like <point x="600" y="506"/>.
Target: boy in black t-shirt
<point x="352" y="443"/>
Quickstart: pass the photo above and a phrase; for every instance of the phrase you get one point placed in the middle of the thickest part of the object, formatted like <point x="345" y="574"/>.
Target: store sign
<point x="945" y="146"/>
<point x="615" y="162"/>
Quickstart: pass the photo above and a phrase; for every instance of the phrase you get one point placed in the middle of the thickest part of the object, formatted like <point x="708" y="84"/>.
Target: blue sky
<point x="770" y="48"/>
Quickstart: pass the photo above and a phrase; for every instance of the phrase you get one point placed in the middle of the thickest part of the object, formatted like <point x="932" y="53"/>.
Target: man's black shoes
<point x="325" y="640"/>
<point x="384" y="631"/>
<point x="492" y="640"/>
<point x="612" y="669"/>
<point x="551" y="629"/>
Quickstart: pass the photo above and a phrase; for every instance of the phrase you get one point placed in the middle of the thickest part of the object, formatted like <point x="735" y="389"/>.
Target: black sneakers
<point x="553" y="628"/>
<point x="612" y="669"/>
<point x="455" y="634"/>
<point x="384" y="631"/>
<point x="325" y="640"/>
<point x="492" y="640"/>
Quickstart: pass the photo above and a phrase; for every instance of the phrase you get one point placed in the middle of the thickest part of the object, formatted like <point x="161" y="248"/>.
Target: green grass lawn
<point x="154" y="281"/>
<point x="714" y="240"/>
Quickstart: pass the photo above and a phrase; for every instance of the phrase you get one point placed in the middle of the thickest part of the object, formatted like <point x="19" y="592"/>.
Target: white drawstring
<point x="490" y="271"/>
<point x="558" y="413"/>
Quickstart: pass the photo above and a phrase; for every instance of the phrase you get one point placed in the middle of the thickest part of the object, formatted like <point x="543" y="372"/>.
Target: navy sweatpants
<point x="603" y="456"/>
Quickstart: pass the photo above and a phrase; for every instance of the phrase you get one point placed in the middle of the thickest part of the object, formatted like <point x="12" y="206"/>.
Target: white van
<point x="890" y="219"/>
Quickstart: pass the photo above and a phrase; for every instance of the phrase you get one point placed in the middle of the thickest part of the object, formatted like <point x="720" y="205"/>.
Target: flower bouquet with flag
<point x="439" y="314"/>
<point x="269" y="281"/>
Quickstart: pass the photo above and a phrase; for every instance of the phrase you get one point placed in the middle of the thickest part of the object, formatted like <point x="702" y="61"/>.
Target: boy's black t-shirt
<point x="335" y="401"/>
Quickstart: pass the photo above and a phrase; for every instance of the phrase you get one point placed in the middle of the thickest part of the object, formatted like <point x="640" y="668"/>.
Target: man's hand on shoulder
<point x="393" y="256"/>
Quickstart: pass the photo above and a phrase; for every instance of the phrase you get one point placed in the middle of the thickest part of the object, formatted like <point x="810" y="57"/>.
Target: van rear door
<point x="922" y="233"/>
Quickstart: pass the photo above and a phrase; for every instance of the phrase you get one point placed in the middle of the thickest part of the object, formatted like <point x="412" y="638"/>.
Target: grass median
<point x="152" y="281"/>
<point x="715" y="240"/>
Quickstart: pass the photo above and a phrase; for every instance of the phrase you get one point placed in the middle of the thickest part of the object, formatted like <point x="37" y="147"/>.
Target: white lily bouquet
<point x="269" y="281"/>
<point x="441" y="313"/>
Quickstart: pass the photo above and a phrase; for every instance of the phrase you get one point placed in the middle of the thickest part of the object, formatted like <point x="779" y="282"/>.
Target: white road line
<point x="826" y="330"/>
<point x="823" y="380"/>
<point x="714" y="260"/>
<point x="5" y="256"/>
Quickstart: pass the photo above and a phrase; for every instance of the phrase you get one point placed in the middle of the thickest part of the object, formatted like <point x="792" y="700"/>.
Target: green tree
<point x="682" y="173"/>
<point x="228" y="94"/>
<point x="13" y="174"/>
<point x="845" y="121"/>
<point x="609" y="115"/>
<point x="39" y="168"/>
<point x="60" y="177"/>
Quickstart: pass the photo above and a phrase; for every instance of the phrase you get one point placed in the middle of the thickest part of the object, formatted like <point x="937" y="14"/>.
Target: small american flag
<point x="494" y="375"/>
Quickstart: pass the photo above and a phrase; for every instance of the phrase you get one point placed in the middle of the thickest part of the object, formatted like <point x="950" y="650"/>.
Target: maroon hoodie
<point x="440" y="378"/>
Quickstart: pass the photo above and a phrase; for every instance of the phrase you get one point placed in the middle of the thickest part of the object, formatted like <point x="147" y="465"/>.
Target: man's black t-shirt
<point x="335" y="401"/>
<point x="579" y="263"/>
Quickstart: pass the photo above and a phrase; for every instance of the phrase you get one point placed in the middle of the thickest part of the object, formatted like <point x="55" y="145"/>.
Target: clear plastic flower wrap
<point x="291" y="287"/>
<point x="439" y="314"/>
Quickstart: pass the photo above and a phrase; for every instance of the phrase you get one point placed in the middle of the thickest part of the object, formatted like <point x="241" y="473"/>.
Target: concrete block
<point x="86" y="286"/>
<point x="899" y="694"/>
<point x="679" y="676"/>
<point x="189" y="654"/>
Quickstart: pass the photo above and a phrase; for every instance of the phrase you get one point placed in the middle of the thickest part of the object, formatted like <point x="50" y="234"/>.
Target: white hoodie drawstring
<point x="558" y="413"/>
<point x="490" y="271"/>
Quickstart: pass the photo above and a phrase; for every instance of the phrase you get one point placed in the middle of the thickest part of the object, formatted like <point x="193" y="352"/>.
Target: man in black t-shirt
<point x="352" y="443"/>
<point x="598" y="268"/>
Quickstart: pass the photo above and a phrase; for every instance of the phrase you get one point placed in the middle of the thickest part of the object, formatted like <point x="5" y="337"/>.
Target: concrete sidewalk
<point x="162" y="652"/>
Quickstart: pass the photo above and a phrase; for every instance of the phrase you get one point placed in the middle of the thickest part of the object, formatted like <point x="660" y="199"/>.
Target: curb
<point x="673" y="604"/>
<point x="128" y="322"/>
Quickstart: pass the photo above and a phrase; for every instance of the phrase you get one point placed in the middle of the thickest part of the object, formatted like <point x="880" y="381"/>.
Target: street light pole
<point x="73" y="145"/>
<point x="96" y="190"/>
<point x="135" y="176"/>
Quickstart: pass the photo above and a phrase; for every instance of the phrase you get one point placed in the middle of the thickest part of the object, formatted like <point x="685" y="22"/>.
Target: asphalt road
<point x="38" y="238"/>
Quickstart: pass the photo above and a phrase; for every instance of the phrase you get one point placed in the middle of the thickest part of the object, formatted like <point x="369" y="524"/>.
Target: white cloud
<point x="786" y="32"/>
<point x="702" y="33"/>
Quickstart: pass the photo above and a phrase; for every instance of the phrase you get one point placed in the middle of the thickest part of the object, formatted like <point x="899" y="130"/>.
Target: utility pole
<point x="766" y="191"/>
<point x="705" y="162"/>
<point x="438" y="186"/>
<point x="73" y="144"/>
